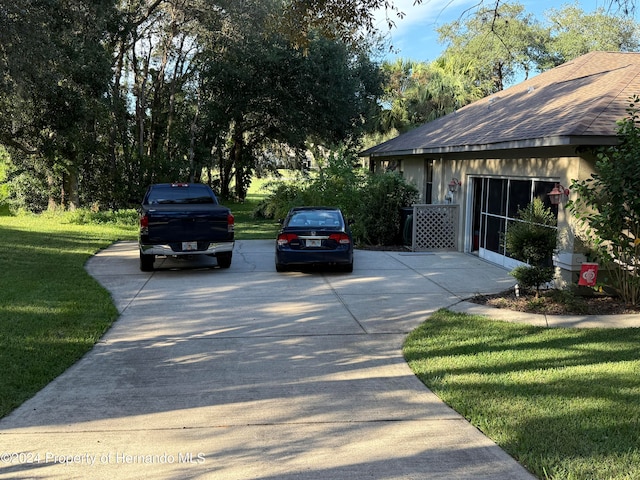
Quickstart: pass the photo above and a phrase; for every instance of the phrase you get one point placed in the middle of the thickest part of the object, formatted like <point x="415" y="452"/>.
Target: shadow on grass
<point x="564" y="402"/>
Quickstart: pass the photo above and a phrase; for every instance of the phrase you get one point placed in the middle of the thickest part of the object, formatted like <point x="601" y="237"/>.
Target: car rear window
<point x="316" y="218"/>
<point x="193" y="194"/>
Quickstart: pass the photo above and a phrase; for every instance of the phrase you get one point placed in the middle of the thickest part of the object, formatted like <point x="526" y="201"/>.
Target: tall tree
<point x="55" y="74"/>
<point x="347" y="20"/>
<point x="495" y="44"/>
<point x="418" y="92"/>
<point x="216" y="84"/>
<point x="157" y="55"/>
<point x="281" y="95"/>
<point x="574" y="33"/>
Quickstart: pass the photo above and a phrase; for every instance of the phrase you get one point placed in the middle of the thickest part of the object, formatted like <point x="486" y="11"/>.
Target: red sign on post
<point x="588" y="274"/>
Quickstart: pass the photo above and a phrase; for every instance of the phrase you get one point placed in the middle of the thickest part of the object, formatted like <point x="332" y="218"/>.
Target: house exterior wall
<point x="413" y="172"/>
<point x="560" y="165"/>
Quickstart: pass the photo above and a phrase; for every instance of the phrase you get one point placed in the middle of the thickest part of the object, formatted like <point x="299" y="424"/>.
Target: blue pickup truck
<point x="184" y="219"/>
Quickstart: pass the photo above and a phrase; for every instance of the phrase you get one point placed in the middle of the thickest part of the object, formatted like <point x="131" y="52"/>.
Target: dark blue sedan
<point x="313" y="236"/>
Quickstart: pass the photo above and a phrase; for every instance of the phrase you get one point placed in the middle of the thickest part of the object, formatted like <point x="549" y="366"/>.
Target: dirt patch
<point x="557" y="302"/>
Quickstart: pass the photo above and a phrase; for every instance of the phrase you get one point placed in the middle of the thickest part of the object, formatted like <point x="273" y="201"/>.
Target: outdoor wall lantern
<point x="454" y="184"/>
<point x="558" y="193"/>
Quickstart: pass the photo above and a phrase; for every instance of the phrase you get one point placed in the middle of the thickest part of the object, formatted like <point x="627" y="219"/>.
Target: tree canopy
<point x="494" y="46"/>
<point x="99" y="99"/>
<point x="574" y="33"/>
<point x="418" y="92"/>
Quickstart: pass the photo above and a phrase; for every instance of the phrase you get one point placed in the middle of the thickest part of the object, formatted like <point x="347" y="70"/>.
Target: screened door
<point x="496" y="202"/>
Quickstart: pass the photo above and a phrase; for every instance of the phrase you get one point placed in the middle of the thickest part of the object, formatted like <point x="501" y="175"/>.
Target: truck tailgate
<point x="174" y="223"/>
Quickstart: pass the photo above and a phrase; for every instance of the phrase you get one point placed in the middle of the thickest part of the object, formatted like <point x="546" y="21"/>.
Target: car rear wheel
<point x="348" y="267"/>
<point x="224" y="260"/>
<point x="280" y="267"/>
<point x="146" y="262"/>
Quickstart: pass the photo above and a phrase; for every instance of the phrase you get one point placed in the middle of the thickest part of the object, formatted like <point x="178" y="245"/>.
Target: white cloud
<point x="427" y="14"/>
<point x="414" y="36"/>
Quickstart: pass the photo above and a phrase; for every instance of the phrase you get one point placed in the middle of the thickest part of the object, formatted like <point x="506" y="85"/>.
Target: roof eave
<point x="558" y="141"/>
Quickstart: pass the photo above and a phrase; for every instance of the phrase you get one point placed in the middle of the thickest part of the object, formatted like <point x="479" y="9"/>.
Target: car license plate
<point x="313" y="243"/>
<point x="189" y="246"/>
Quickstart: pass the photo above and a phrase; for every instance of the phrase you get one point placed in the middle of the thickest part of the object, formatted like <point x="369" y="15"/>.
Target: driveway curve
<point x="245" y="373"/>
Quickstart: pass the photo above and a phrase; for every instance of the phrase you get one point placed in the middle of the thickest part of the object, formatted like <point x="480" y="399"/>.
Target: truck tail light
<point x="341" y="238"/>
<point x="144" y="224"/>
<point x="230" y="223"/>
<point x="285" y="238"/>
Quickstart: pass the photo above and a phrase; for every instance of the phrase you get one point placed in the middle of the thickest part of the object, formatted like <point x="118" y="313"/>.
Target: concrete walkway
<point x="249" y="374"/>
<point x="550" y="321"/>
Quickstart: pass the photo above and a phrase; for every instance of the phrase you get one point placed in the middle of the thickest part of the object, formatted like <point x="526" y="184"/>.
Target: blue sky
<point x="415" y="35"/>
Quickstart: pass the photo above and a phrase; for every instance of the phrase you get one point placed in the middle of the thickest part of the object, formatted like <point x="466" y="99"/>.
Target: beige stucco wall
<point x="414" y="171"/>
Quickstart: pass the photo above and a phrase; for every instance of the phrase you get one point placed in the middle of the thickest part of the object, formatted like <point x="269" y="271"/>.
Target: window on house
<point x="428" y="181"/>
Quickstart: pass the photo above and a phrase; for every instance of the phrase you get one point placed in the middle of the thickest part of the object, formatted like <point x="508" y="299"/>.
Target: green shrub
<point x="372" y="201"/>
<point x="378" y="216"/>
<point x="532" y="277"/>
<point x="84" y="216"/>
<point x="335" y="185"/>
<point x="532" y="239"/>
<point x="27" y="192"/>
<point x="608" y="205"/>
<point x="282" y="197"/>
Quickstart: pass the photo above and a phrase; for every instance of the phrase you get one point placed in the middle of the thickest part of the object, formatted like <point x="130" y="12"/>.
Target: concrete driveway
<point x="249" y="374"/>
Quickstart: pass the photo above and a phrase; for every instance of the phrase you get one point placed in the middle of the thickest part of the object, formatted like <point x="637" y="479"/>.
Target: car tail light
<point x="341" y="238"/>
<point x="285" y="238"/>
<point x="230" y="223"/>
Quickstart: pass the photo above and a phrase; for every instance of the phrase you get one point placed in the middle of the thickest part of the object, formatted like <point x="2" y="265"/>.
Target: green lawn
<point x="51" y="310"/>
<point x="248" y="227"/>
<point x="564" y="402"/>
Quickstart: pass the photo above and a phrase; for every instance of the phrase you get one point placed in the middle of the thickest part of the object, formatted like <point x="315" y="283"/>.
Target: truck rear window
<point x="170" y="195"/>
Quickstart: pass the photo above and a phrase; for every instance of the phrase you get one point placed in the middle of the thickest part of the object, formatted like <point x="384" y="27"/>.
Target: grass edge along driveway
<point x="563" y="402"/>
<point x="51" y="310"/>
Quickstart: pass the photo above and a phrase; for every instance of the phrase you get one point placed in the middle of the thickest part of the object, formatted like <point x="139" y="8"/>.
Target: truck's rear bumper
<point x="167" y="250"/>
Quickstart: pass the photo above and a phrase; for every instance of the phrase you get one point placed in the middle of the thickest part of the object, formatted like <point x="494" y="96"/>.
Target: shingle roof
<point x="577" y="103"/>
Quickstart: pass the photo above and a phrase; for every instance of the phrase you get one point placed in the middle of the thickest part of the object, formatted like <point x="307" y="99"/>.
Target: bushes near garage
<point x="380" y="201"/>
<point x="372" y="201"/>
<point x="532" y="239"/>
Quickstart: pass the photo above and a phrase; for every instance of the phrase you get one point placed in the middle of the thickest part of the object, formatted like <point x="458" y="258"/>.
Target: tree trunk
<point x="225" y="174"/>
<point x="238" y="151"/>
<point x="70" y="194"/>
<point x="52" y="201"/>
<point x="192" y="142"/>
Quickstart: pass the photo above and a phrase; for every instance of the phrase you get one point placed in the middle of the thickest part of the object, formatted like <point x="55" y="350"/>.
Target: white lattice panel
<point x="435" y="227"/>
